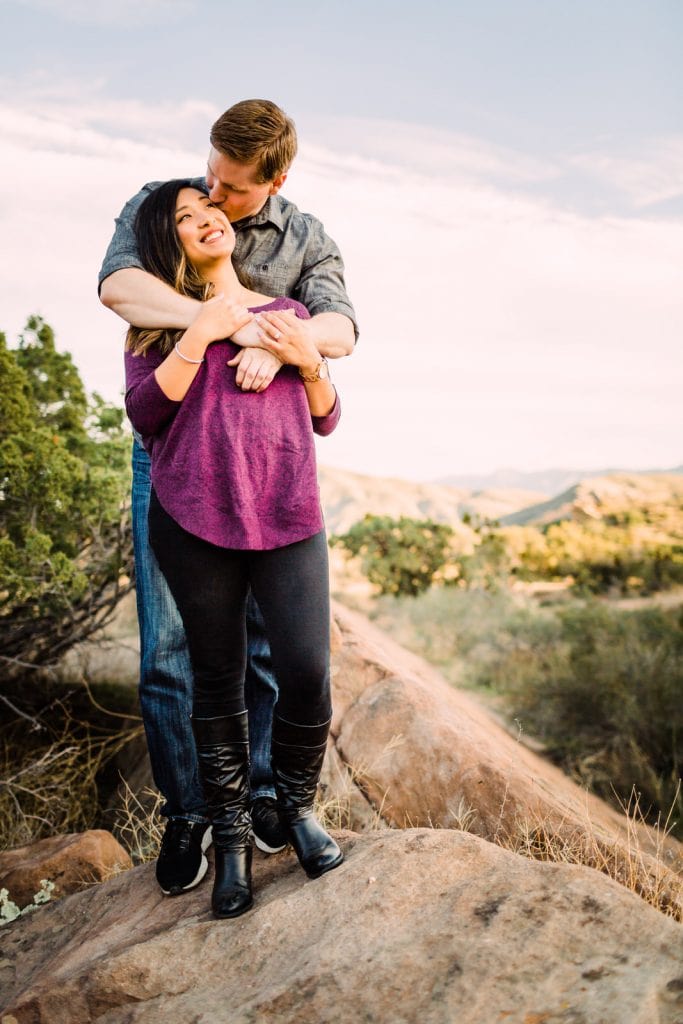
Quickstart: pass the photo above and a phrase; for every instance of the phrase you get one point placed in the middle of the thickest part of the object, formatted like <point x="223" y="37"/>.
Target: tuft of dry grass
<point x="639" y="862"/>
<point x="138" y="825"/>
<point x="49" y="788"/>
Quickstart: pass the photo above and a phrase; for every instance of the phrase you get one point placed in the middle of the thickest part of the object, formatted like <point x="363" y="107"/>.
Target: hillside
<point x="655" y="499"/>
<point x="347" y="497"/>
<point x="549" y="481"/>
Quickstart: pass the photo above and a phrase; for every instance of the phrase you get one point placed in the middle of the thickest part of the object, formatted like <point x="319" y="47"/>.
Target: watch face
<point x="324" y="371"/>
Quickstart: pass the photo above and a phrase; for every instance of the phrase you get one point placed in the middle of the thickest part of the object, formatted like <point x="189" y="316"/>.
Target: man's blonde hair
<point x="257" y="130"/>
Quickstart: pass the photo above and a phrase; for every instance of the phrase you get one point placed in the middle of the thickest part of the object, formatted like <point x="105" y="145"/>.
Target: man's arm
<point x="322" y="290"/>
<point x="332" y="334"/>
<point x="143" y="300"/>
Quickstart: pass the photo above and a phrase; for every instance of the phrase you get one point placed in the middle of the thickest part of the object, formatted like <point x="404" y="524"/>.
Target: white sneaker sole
<point x="264" y="848"/>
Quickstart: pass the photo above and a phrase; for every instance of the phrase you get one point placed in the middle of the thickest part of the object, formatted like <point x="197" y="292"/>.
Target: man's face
<point x="233" y="186"/>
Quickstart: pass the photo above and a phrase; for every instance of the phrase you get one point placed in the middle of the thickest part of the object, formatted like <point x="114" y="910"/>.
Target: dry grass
<point x="638" y="862"/>
<point x="343" y="800"/>
<point x="49" y="788"/>
<point x="138" y="825"/>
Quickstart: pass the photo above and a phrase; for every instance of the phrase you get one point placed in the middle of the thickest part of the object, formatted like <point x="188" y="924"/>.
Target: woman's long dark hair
<point x="162" y="254"/>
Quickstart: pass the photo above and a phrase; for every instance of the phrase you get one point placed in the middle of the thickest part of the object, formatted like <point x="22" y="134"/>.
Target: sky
<point x="504" y="179"/>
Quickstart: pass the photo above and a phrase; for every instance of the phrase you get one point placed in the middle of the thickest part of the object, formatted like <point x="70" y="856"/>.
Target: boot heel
<point x="232" y="894"/>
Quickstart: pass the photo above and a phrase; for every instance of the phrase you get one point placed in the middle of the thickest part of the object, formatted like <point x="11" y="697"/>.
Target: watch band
<point x="311" y="378"/>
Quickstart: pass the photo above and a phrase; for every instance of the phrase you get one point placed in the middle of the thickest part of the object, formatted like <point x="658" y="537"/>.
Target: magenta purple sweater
<point x="234" y="467"/>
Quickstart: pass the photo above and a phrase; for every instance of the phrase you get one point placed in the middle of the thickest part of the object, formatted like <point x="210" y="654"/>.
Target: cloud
<point x="655" y="177"/>
<point x="497" y="327"/>
<point x="61" y="104"/>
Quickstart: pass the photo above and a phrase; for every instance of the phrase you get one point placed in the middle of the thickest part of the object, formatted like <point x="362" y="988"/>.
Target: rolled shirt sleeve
<point x="321" y="287"/>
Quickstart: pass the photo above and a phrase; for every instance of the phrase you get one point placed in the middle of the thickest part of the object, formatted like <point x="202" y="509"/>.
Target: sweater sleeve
<point x="149" y="409"/>
<point x="324" y="425"/>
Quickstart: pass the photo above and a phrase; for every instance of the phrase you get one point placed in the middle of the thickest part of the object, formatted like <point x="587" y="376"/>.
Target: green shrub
<point x="606" y="697"/>
<point x="65" y="551"/>
<point x="399" y="556"/>
<point x="602" y="688"/>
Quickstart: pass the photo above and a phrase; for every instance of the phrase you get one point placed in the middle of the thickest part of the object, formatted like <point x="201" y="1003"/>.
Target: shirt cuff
<point x="148" y="408"/>
<point x="324" y="425"/>
<point x="335" y="307"/>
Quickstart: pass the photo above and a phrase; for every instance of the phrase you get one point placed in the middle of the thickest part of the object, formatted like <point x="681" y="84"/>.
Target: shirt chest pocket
<point x="270" y="277"/>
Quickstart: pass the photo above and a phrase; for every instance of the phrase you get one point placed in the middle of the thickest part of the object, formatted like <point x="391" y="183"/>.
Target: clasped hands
<point x="281" y="338"/>
<point x="267" y="340"/>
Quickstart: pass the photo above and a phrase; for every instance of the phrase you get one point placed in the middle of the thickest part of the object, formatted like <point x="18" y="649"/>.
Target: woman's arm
<point x="155" y="386"/>
<point x="216" y="319"/>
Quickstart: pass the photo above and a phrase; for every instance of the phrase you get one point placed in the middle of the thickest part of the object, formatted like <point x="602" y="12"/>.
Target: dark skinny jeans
<point x="210" y="586"/>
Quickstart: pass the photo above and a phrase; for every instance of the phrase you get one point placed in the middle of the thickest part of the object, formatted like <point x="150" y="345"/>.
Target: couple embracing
<point x="235" y="301"/>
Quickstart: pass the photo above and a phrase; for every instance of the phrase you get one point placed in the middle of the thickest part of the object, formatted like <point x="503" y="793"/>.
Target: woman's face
<point x="204" y="231"/>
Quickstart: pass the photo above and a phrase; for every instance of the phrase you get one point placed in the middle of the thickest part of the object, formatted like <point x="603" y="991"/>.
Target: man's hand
<point x="256" y="368"/>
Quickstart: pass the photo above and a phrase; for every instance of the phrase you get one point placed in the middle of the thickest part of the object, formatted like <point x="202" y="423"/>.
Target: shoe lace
<point x="178" y="835"/>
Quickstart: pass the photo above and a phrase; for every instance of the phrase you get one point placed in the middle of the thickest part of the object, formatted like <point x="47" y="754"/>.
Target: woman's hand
<point x="286" y="336"/>
<point x="218" y="318"/>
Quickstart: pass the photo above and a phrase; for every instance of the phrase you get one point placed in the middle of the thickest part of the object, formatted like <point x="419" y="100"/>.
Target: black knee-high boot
<point x="223" y="756"/>
<point x="298" y="752"/>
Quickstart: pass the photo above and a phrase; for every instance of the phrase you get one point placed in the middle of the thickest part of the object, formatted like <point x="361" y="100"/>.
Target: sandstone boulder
<point x="72" y="862"/>
<point x="429" y="926"/>
<point x="426" y="753"/>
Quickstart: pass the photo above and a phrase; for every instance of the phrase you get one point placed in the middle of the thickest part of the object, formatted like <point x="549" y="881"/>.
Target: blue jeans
<point x="166" y="676"/>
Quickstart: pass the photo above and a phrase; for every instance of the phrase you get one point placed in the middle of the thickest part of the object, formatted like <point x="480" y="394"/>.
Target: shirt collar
<point x="270" y="213"/>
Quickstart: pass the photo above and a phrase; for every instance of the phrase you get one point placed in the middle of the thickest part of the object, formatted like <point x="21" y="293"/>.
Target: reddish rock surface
<point x="428" y="926"/>
<point x="72" y="862"/>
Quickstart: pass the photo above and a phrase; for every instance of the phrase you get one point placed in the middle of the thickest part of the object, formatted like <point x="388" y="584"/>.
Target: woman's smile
<point x="202" y="227"/>
<point x="212" y="236"/>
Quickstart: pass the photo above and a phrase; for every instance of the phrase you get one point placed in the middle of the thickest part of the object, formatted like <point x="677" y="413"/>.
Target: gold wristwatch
<point x="321" y="372"/>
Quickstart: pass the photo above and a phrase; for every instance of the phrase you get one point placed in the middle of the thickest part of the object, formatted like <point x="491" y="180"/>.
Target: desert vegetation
<point x="65" y="561"/>
<point x="594" y="683"/>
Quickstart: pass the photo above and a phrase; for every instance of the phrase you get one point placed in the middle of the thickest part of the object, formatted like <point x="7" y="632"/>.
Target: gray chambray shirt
<point x="278" y="251"/>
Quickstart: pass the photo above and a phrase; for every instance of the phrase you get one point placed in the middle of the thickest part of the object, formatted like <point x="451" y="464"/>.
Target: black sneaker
<point x="268" y="833"/>
<point x="181" y="863"/>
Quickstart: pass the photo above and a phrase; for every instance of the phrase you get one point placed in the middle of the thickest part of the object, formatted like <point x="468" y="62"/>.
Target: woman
<point x="235" y="505"/>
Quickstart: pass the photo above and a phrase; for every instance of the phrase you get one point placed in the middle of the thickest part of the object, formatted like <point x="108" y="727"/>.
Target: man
<point x="278" y="251"/>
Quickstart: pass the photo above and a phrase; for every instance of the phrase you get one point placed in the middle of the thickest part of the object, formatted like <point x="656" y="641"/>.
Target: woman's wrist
<point x="194" y="342"/>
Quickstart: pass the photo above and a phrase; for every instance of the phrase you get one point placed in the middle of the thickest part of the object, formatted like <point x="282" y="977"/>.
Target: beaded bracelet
<point x="186" y="358"/>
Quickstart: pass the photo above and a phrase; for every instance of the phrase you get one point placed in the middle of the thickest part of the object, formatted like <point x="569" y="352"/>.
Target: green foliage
<point x="64" y="544"/>
<point x="606" y="697"/>
<point x="601" y="687"/>
<point x="489" y="564"/>
<point x="399" y="556"/>
<point x="623" y="553"/>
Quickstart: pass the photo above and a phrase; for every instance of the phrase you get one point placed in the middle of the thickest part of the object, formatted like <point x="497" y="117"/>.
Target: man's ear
<point x="276" y="184"/>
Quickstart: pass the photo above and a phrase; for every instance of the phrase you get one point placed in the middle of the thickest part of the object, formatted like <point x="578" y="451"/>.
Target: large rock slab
<point x="426" y="753"/>
<point x="72" y="862"/>
<point x="429" y="926"/>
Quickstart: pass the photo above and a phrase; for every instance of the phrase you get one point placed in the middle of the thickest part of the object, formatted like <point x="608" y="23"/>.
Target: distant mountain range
<point x="654" y="497"/>
<point x="347" y="497"/>
<point x="545" y="481"/>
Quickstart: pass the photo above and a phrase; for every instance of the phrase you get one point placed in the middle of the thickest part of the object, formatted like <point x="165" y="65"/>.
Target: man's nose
<point x="215" y="194"/>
